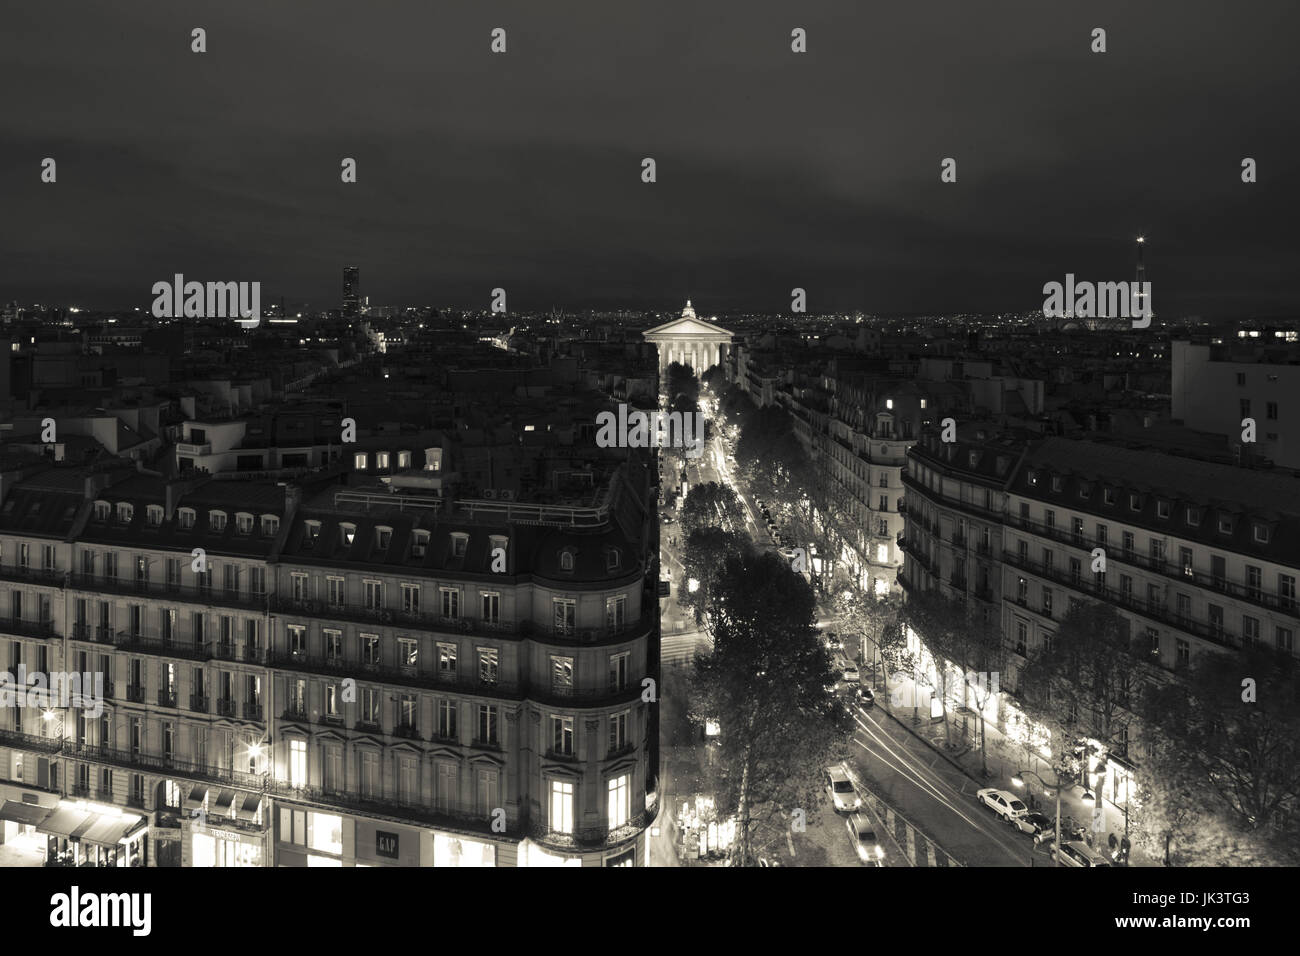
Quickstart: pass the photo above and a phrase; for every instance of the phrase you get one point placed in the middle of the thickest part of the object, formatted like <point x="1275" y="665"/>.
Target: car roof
<point x="837" y="773"/>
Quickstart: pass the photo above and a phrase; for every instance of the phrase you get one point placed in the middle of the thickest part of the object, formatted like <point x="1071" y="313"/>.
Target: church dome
<point x="688" y="312"/>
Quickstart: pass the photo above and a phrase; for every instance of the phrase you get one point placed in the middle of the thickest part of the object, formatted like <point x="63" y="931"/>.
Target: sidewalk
<point x="966" y="758"/>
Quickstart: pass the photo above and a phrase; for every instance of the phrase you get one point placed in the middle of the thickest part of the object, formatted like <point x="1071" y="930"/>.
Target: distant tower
<point x="351" y="291"/>
<point x="1141" y="275"/>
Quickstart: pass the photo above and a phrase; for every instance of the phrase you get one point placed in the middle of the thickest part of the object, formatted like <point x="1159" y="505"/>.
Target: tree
<point x="1236" y="719"/>
<point x="706" y="553"/>
<point x="708" y="505"/>
<point x="1082" y="680"/>
<point x="770" y="453"/>
<point x="768" y="683"/>
<point x="875" y="622"/>
<point x="681" y="383"/>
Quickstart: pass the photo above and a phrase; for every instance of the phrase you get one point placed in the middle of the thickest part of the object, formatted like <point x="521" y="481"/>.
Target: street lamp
<point x="1019" y="781"/>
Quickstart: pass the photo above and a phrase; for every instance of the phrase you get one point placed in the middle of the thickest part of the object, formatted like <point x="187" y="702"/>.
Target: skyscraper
<point x="351" y="290"/>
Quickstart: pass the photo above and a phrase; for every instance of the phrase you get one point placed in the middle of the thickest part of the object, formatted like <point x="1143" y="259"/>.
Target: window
<point x="217" y="520"/>
<point x="348" y="533"/>
<point x="612" y="559"/>
<point x="620" y="801"/>
<point x="487" y="724"/>
<point x="332" y="701"/>
<point x="383" y="537"/>
<point x="1285" y="640"/>
<point x="1249" y="630"/>
<point x="617" y="732"/>
<point x="410" y="598"/>
<point x="1022" y="591"/>
<point x="370" y="705"/>
<point x="1135" y="502"/>
<point x="1162" y="509"/>
<point x="491" y="607"/>
<point x="562" y="735"/>
<point x="403" y="459"/>
<point x="125" y="512"/>
<point x="419" y="543"/>
<point x="564" y="612"/>
<point x="1047" y="601"/>
<point x="1056" y="483"/>
<point x="618" y="670"/>
<point x="566" y="560"/>
<point x="1185" y="560"/>
<point x="1225" y="525"/>
<point x="102" y="510"/>
<point x="359" y="460"/>
<point x="381" y="459"/>
<point x="408" y="651"/>
<point x="1254" y="581"/>
<point x="334" y="589"/>
<point x="1049" y="518"/>
<point x="1241" y="378"/>
<point x="1272" y="411"/>
<point x="297" y="763"/>
<point x="310" y="532"/>
<point x="297" y="639"/>
<point x="447" y="659"/>
<point x="270" y="525"/>
<point x="1076" y="571"/>
<point x="370" y="648"/>
<point x="153" y="515"/>
<point x="244" y="522"/>
<point x="615" y="612"/>
<point x="560" y="818"/>
<point x="450" y="602"/>
<point x="1194" y="517"/>
<point x="1128" y="543"/>
<point x="1261" y="534"/>
<point x="374" y="595"/>
<point x="561" y="675"/>
<point x="1153" y="642"/>
<point x="488" y="665"/>
<point x="447" y="719"/>
<point x="1244" y="407"/>
<point x="459" y="545"/>
<point x="1286" y="590"/>
<point x="333" y="644"/>
<point x="1183" y="652"/>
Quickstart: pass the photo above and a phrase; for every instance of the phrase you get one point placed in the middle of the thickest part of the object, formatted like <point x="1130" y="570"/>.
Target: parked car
<point x="668" y="519"/>
<point x="1071" y="830"/>
<point x="850" y="671"/>
<point x="1076" y="853"/>
<point x="1005" y="804"/>
<point x="864" y="840"/>
<point x="1036" y="824"/>
<point x="844" y="796"/>
<point x="866" y="697"/>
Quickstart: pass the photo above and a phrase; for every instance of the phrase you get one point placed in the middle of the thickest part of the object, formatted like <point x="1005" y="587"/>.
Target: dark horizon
<point x="775" y="170"/>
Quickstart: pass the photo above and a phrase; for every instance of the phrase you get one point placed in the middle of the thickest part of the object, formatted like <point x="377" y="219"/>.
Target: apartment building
<point x="335" y="677"/>
<point x="1199" y="556"/>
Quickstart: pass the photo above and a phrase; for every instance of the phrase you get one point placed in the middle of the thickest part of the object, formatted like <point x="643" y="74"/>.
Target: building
<point x="691" y="341"/>
<point x="1262" y="383"/>
<point x="338" y="678"/>
<point x="351" y="291"/>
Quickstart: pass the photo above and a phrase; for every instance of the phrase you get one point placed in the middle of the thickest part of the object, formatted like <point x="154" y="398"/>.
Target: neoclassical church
<point x="689" y="340"/>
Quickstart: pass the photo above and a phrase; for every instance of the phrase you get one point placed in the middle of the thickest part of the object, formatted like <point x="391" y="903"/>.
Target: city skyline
<point x="774" y="169"/>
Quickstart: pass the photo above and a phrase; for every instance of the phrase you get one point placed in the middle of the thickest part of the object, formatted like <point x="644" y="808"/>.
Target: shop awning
<point x="247" y="808"/>
<point x="196" y="796"/>
<point x="109" y="830"/>
<point x="221" y="808"/>
<point x="16" y="811"/>
<point x="63" y="821"/>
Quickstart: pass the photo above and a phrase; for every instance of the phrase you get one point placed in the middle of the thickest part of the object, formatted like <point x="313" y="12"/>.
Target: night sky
<point x="775" y="169"/>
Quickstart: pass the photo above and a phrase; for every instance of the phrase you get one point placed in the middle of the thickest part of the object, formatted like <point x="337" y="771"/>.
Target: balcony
<point x="24" y="628"/>
<point x="166" y="698"/>
<point x="408" y="731"/>
<point x="170" y="765"/>
<point x="295" y="711"/>
<point x="199" y="703"/>
<point x="580" y="838"/>
<point x="96" y="633"/>
<point x="144" y="641"/>
<point x="252" y="710"/>
<point x="226" y="707"/>
<point x="959" y="541"/>
<point x="174" y="590"/>
<point x="231" y="651"/>
<point x="135" y="693"/>
<point x="451" y="815"/>
<point x="193" y="449"/>
<point x="368" y="727"/>
<point x="50" y="577"/>
<point x="22" y="741"/>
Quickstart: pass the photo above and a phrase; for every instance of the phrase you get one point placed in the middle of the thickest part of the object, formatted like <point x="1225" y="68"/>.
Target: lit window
<point x="381" y="459"/>
<point x="359" y="461"/>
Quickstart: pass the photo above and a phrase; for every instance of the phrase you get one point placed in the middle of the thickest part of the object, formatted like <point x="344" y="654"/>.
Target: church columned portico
<point x="690" y="341"/>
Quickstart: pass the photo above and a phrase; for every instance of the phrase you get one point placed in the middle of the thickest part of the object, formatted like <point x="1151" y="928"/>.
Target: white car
<point x="850" y="672"/>
<point x="1078" y="854"/>
<point x="1005" y="804"/>
<point x="864" y="840"/>
<point x="844" y="796"/>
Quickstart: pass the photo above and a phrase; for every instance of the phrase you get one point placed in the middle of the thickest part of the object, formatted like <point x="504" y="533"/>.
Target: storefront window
<point x="457" y="851"/>
<point x="325" y="832"/>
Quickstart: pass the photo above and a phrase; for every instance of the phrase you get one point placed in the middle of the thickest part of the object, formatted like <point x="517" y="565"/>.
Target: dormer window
<point x="359" y="461"/>
<point x="311" y="531"/>
<point x="973" y="458"/>
<point x="124" y="512"/>
<point x="566" y="560"/>
<point x="348" y="533"/>
<point x="1085" y="490"/>
<point x="433" y="459"/>
<point x="1261" y="534"/>
<point x="459" y="544"/>
<point x="403" y="459"/>
<point x="419" y="543"/>
<point x="1225" y="524"/>
<point x="185" y="518"/>
<point x="270" y="525"/>
<point x="217" y="520"/>
<point x="1108" y="496"/>
<point x="1194" y="517"/>
<point x="383" y="537"/>
<point x="1033" y="479"/>
<point x="1057" y="483"/>
<point x="1134" y="502"/>
<point x="613" y="559"/>
<point x="153" y="515"/>
<point x="381" y="459"/>
<point x="1162" y="509"/>
<point x="244" y="522"/>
